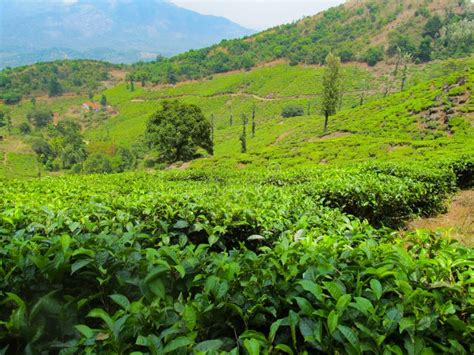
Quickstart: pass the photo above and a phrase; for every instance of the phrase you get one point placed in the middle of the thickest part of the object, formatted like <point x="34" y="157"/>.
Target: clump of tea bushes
<point x="204" y="262"/>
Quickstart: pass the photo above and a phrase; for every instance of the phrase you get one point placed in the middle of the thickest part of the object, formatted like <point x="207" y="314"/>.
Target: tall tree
<point x="103" y="100"/>
<point x="54" y="87"/>
<point x="332" y="91"/>
<point x="231" y="117"/>
<point x="243" y="136"/>
<point x="406" y="60"/>
<point x="253" y="121"/>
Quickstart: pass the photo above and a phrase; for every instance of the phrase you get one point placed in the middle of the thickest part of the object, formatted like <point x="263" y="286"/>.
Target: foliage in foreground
<point x="202" y="262"/>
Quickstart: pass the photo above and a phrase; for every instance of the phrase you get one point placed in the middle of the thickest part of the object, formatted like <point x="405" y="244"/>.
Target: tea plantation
<point x="213" y="262"/>
<point x="297" y="246"/>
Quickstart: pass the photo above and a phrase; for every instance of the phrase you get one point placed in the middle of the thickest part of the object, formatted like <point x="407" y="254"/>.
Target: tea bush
<point x="232" y="262"/>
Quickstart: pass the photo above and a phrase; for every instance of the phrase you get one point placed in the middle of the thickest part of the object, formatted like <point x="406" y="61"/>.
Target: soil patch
<point x="458" y="222"/>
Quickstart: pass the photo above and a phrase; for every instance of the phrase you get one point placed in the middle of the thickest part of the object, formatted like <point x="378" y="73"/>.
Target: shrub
<point x="292" y="111"/>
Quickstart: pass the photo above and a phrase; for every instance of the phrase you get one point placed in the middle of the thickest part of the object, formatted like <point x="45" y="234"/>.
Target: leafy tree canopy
<point x="177" y="130"/>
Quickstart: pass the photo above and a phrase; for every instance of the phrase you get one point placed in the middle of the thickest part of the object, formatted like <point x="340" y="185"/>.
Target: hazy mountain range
<point x="113" y="30"/>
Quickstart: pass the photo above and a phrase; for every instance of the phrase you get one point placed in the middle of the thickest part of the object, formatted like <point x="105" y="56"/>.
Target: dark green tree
<point x="332" y="91"/>
<point x="40" y="117"/>
<point x="176" y="131"/>
<point x="243" y="136"/>
<point x="9" y="123"/>
<point x="103" y="100"/>
<point x="2" y="119"/>
<point x="54" y="87"/>
<point x="373" y="55"/>
<point x="33" y="101"/>
<point x="254" y="124"/>
<point x="433" y="27"/>
<point x="231" y="117"/>
<point x="24" y="128"/>
<point x="406" y="61"/>
<point x="424" y="50"/>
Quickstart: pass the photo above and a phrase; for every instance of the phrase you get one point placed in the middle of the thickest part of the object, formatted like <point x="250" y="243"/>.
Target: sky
<point x="259" y="14"/>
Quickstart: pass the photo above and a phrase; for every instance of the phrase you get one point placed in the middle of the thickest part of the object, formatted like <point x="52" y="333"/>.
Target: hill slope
<point x="413" y="122"/>
<point x="119" y="31"/>
<point x="361" y="30"/>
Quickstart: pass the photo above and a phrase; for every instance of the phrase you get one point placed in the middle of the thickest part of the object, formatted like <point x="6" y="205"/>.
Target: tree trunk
<point x="326" y="117"/>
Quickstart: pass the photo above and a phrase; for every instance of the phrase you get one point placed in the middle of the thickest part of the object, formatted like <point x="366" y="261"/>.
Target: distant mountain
<point x="113" y="30"/>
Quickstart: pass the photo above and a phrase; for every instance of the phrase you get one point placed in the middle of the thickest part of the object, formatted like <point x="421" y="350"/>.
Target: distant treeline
<point x="53" y="79"/>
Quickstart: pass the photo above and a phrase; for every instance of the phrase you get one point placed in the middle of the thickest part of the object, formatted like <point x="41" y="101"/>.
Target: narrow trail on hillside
<point x="459" y="220"/>
<point x="269" y="97"/>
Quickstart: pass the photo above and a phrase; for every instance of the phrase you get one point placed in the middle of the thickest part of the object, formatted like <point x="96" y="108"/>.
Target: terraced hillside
<point x="430" y="117"/>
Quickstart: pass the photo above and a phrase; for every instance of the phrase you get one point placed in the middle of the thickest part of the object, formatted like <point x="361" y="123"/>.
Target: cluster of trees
<point x="62" y="146"/>
<point x="451" y="35"/>
<point x="53" y="79"/>
<point x="341" y="30"/>
<point x="121" y="160"/>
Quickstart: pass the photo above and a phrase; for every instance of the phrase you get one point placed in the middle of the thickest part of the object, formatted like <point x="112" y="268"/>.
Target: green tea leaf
<point x="179" y="342"/>
<point x="85" y="330"/>
<point x="252" y="346"/>
<point x="209" y="345"/>
<point x="332" y="321"/>
<point x="334" y="289"/>
<point x="313" y="288"/>
<point x="350" y="335"/>
<point x="189" y="317"/>
<point x="121" y="300"/>
<point x="376" y="288"/>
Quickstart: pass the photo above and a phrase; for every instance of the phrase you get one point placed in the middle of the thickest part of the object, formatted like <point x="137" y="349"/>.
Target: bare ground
<point x="458" y="221"/>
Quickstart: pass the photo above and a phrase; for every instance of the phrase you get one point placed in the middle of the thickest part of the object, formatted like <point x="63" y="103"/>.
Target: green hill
<point x="364" y="31"/>
<point x="388" y="127"/>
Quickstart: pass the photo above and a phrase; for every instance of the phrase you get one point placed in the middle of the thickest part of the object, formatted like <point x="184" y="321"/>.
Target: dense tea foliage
<point x="213" y="262"/>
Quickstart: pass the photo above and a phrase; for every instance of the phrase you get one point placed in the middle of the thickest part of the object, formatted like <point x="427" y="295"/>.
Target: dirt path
<point x="459" y="221"/>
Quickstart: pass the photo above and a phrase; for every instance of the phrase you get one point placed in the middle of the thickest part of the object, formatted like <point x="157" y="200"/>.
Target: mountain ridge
<point x="154" y="27"/>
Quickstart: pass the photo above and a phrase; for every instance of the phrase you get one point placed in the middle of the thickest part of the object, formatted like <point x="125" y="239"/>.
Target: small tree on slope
<point x="332" y="91"/>
<point x="177" y="130"/>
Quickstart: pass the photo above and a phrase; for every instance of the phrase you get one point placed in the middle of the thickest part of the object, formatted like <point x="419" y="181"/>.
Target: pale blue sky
<point x="259" y="14"/>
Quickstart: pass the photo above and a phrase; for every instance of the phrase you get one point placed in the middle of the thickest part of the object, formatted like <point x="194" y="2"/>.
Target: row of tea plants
<point x="210" y="263"/>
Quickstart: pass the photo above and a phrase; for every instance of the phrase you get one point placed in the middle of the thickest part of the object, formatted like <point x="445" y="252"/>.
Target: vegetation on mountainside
<point x="115" y="142"/>
<point x="200" y="262"/>
<point x="53" y="79"/>
<point x="424" y="29"/>
<point x="426" y="119"/>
